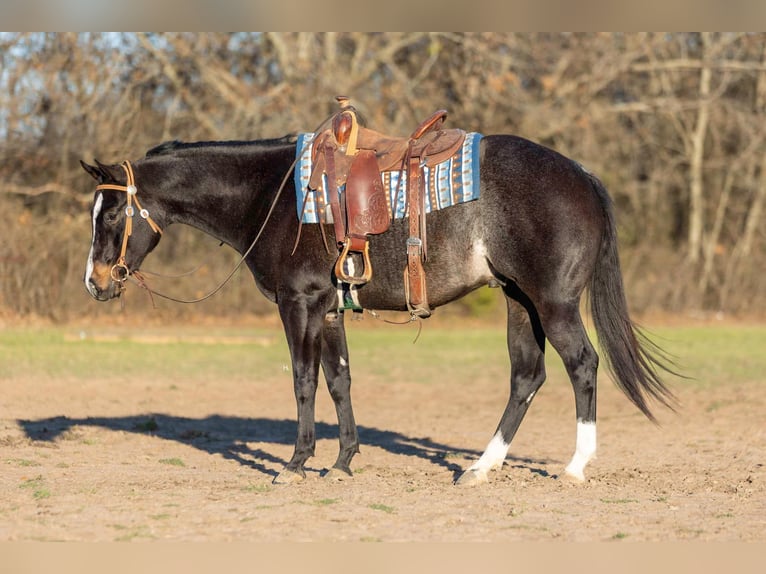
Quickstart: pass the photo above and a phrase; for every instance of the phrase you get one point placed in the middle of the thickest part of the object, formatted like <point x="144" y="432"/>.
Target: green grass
<point x="127" y="354"/>
<point x="172" y="461"/>
<point x="716" y="355"/>
<point x="383" y="508"/>
<point x="326" y="501"/>
<point x="258" y="488"/>
<point x="620" y="536"/>
<point x="22" y="462"/>
<point x="710" y="355"/>
<point x="618" y="500"/>
<point x="37" y="486"/>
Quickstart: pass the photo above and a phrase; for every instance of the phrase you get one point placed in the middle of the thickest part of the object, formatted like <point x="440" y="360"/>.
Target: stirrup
<point x="340" y="272"/>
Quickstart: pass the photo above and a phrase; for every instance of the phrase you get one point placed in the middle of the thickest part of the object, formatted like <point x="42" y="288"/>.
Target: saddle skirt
<point x="452" y="181"/>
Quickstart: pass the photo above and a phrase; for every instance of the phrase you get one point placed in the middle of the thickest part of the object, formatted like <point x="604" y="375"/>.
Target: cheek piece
<point x="120" y="271"/>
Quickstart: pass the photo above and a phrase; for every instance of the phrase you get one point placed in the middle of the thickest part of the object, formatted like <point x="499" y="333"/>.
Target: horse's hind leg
<point x="526" y="347"/>
<point x="565" y="331"/>
<point x="338" y="376"/>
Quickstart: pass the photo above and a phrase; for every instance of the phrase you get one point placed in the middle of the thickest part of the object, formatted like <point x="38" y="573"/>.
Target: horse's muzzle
<point x="103" y="284"/>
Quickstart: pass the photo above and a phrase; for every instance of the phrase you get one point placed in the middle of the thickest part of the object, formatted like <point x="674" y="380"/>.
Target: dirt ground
<point x="153" y="460"/>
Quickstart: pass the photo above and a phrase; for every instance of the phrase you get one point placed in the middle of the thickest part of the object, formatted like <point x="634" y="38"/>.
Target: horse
<point x="542" y="229"/>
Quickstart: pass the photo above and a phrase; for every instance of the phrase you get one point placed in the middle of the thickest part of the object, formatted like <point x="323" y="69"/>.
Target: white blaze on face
<point x="89" y="266"/>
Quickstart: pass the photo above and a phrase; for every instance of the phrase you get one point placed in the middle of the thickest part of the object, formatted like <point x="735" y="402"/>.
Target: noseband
<point x="120" y="271"/>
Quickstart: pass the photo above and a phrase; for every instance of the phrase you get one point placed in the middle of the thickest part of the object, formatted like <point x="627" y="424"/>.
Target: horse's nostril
<point x="92" y="288"/>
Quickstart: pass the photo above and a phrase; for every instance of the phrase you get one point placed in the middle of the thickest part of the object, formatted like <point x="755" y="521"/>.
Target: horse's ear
<point x="92" y="170"/>
<point x="102" y="173"/>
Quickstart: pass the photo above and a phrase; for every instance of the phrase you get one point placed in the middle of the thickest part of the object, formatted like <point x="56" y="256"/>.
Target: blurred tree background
<point x="674" y="124"/>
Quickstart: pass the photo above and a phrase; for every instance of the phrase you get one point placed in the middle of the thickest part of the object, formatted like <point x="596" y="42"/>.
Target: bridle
<point x="120" y="271"/>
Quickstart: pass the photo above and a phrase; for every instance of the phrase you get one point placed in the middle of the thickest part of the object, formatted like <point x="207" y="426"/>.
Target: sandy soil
<point x="164" y="460"/>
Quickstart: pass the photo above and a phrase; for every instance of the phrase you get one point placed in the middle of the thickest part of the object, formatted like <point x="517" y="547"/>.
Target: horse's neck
<point x="224" y="199"/>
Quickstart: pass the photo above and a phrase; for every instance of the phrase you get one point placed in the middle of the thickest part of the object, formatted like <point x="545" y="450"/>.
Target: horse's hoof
<point x="574" y="476"/>
<point x="288" y="477"/>
<point x="472" y="477"/>
<point x="337" y="474"/>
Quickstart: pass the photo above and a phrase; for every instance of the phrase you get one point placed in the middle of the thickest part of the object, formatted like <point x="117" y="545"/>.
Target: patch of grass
<point x="711" y="355"/>
<point x="618" y="500"/>
<point x="620" y="536"/>
<point x="520" y="527"/>
<point x="259" y="488"/>
<point x="32" y="482"/>
<point x="22" y="462"/>
<point x="123" y="354"/>
<point x="172" y="461"/>
<point x="326" y="501"/>
<point x="131" y="532"/>
<point x="715" y="355"/>
<point x="383" y="508"/>
<point x="37" y="486"/>
<point x="450" y="455"/>
<point x="41" y="493"/>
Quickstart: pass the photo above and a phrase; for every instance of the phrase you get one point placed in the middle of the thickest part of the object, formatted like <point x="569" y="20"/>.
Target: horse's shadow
<point x="229" y="436"/>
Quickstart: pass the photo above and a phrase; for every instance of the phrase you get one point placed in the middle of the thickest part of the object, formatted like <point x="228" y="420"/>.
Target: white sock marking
<point x="89" y="266"/>
<point x="493" y="456"/>
<point x="584" y="450"/>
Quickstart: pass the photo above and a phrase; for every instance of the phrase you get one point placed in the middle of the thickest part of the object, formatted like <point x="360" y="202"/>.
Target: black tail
<point x="631" y="357"/>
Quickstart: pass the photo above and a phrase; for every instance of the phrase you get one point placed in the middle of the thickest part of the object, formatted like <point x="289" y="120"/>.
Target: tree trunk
<point x="696" y="184"/>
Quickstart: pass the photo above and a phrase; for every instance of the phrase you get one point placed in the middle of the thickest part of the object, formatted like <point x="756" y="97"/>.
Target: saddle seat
<point x="354" y="156"/>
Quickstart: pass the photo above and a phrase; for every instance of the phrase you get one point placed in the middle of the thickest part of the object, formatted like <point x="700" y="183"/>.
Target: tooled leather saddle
<point x="350" y="158"/>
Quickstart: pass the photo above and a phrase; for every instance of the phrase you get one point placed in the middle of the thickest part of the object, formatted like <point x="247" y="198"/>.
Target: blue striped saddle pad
<point x="455" y="180"/>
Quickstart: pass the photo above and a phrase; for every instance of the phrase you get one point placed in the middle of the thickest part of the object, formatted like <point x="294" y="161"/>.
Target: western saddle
<point x="352" y="155"/>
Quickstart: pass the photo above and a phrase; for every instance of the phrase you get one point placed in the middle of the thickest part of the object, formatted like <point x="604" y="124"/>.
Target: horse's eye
<point x="112" y="216"/>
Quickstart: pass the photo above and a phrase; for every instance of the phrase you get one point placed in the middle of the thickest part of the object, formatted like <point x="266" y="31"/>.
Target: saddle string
<point x="413" y="317"/>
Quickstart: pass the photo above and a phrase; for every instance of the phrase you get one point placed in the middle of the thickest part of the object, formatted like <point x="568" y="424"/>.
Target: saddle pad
<point x="453" y="181"/>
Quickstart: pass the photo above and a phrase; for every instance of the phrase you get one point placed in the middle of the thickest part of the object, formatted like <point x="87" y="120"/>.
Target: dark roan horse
<point x="543" y="229"/>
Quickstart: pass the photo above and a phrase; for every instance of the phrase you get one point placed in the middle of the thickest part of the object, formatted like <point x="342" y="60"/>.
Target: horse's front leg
<point x="302" y="317"/>
<point x="338" y="375"/>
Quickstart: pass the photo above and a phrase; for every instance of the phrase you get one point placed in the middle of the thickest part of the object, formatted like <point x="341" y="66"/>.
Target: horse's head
<point x="123" y="231"/>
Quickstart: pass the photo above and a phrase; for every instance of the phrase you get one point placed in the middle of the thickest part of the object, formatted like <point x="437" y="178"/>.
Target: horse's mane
<point x="176" y="145"/>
